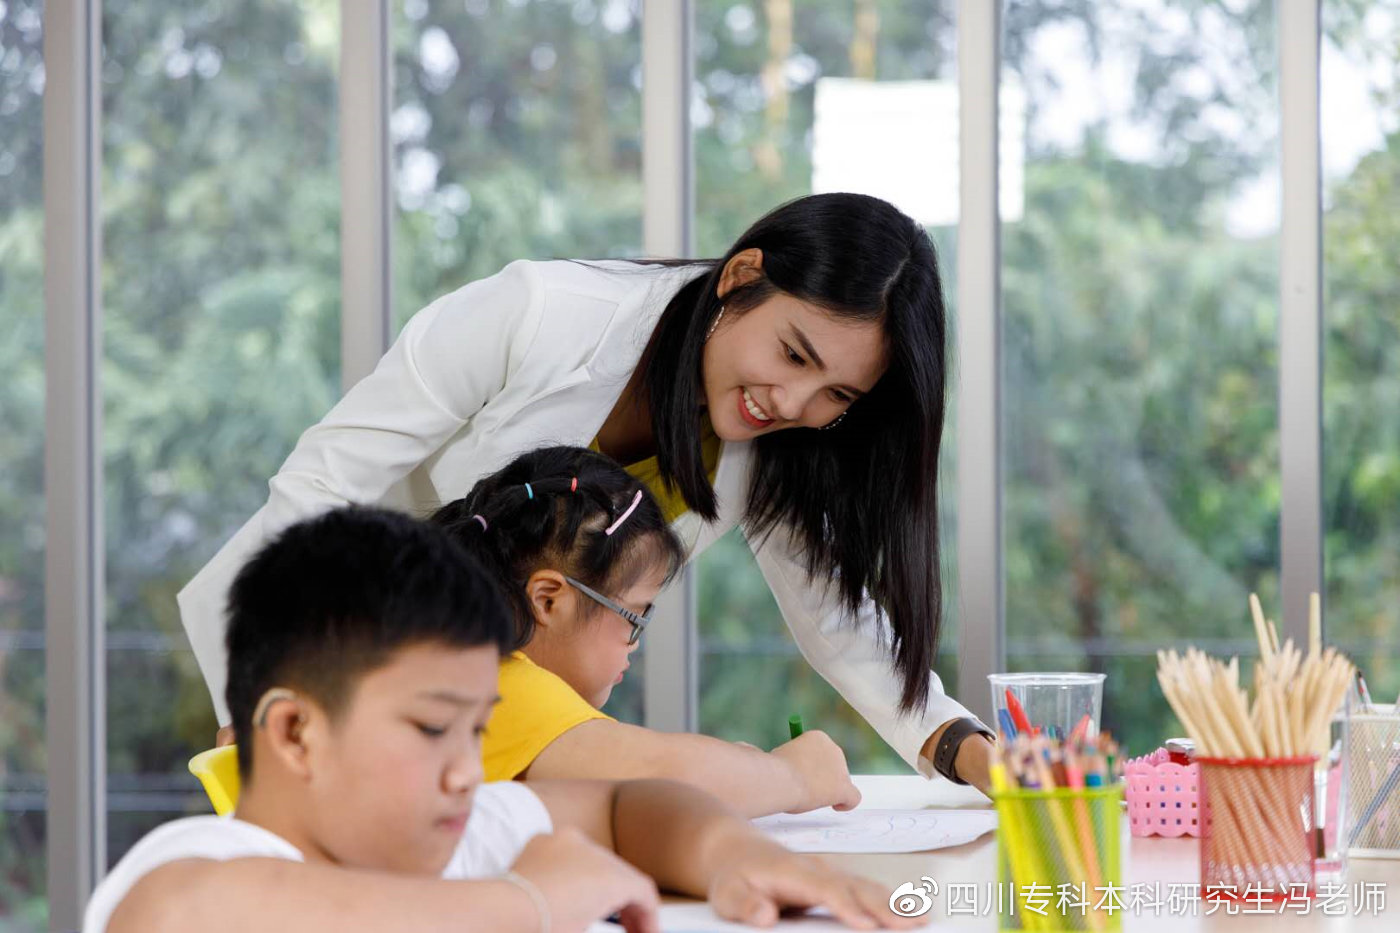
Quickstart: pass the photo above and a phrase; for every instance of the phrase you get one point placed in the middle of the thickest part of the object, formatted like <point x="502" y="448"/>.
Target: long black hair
<point x="559" y="522"/>
<point x="860" y="499"/>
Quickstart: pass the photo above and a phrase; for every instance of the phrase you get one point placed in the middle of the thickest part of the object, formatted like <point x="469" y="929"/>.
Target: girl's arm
<point x="692" y="844"/>
<point x="806" y="773"/>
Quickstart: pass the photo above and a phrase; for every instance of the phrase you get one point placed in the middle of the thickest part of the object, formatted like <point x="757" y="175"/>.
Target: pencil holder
<point x="1257" y="839"/>
<point x="1372" y="753"/>
<point x="1058" y="859"/>
<point x="1163" y="797"/>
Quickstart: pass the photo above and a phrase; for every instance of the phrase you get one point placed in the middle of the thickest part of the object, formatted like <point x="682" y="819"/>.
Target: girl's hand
<point x="819" y="771"/>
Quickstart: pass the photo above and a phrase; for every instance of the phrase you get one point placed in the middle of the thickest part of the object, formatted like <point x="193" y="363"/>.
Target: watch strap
<point x="946" y="753"/>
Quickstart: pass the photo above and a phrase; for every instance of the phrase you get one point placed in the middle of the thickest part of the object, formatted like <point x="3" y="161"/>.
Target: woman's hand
<point x="223" y="737"/>
<point x="819" y="771"/>
<point x="761" y="879"/>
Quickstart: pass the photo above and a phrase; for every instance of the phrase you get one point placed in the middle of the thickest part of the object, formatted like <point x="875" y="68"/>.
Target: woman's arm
<point x="806" y="773"/>
<point x="853" y="656"/>
<point x="450" y="359"/>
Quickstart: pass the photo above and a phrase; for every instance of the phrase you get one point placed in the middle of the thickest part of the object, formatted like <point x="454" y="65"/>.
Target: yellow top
<point x="536" y="707"/>
<point x="647" y="472"/>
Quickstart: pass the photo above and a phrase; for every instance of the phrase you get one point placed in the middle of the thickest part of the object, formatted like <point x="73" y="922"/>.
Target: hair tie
<point x="484" y="526"/>
<point x="573" y="484"/>
<point x="530" y="492"/>
<point x="613" y="527"/>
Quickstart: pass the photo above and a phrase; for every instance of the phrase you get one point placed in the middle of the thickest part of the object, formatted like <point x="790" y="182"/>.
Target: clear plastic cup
<point x="1055" y="703"/>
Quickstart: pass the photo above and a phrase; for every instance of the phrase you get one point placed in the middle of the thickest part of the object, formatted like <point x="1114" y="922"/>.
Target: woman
<point x="795" y="385"/>
<point x="581" y="552"/>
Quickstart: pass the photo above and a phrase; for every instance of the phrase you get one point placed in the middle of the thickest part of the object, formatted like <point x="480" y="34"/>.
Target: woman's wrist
<point x="972" y="762"/>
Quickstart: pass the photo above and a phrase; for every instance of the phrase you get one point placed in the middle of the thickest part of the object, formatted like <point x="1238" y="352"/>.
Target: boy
<point x="363" y="647"/>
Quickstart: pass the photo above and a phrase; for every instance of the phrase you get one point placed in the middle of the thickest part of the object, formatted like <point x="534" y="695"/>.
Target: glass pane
<point x="791" y="99"/>
<point x="517" y="135"/>
<point x="1140" y="296"/>
<point x="221" y="285"/>
<point x="22" y="778"/>
<point x="1361" y="392"/>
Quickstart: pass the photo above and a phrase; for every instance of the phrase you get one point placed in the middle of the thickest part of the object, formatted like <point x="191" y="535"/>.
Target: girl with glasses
<point x="582" y="549"/>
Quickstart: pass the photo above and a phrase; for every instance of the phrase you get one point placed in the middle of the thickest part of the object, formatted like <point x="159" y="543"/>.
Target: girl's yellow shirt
<point x="536" y="707"/>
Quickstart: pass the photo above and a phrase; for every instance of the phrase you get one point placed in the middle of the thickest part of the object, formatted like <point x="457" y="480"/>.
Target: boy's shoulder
<point x="505" y="816"/>
<point x="216" y="838"/>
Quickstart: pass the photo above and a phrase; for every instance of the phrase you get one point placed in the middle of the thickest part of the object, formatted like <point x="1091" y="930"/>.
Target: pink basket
<point x="1163" y="797"/>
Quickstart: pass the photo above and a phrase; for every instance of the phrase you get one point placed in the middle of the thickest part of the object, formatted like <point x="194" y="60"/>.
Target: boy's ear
<point x="285" y="733"/>
<point x="550" y="596"/>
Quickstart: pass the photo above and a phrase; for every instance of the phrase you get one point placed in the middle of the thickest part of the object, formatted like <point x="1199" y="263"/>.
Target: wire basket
<point x="1258" y="835"/>
<point x="1058" y="853"/>
<point x="1373" y="782"/>
<point x="1162" y="796"/>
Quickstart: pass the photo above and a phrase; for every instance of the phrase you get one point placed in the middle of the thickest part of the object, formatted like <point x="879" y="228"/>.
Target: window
<point x="221" y="291"/>
<point x="22" y="776"/>
<point x="792" y="98"/>
<point x="1140" y="294"/>
<point x="517" y="135"/>
<point x="1361" y="397"/>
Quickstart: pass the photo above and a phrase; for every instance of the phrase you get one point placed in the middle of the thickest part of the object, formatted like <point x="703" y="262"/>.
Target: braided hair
<point x="553" y="508"/>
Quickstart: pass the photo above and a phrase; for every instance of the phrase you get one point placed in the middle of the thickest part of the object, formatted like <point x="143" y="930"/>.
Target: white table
<point x="1147" y="861"/>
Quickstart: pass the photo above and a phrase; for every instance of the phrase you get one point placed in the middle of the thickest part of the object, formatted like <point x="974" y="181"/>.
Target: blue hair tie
<point x="529" y="491"/>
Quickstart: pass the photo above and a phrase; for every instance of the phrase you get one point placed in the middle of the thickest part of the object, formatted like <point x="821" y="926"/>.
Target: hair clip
<point x="573" y="484"/>
<point x="528" y="491"/>
<point x="484" y="526"/>
<point x="613" y="527"/>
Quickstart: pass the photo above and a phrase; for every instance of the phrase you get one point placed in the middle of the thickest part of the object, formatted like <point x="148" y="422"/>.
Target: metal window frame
<point x="982" y="619"/>
<point x="670" y="682"/>
<point x="74" y="660"/>
<point x="1300" y="313"/>
<point x="366" y="195"/>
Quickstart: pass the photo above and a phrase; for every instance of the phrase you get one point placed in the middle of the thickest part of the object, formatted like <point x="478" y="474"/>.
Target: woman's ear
<point x="742" y="268"/>
<point x="551" y="598"/>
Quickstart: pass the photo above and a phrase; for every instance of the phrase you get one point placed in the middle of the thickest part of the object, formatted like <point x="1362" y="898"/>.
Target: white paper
<point x="860" y="830"/>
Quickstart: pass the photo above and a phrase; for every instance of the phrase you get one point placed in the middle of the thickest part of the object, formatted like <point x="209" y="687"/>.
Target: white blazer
<point x="535" y="355"/>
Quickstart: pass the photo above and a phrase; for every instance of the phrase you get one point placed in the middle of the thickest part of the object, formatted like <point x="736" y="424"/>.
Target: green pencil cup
<point x="1059" y="860"/>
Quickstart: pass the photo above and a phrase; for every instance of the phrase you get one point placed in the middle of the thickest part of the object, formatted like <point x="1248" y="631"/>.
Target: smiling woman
<point x="713" y="379"/>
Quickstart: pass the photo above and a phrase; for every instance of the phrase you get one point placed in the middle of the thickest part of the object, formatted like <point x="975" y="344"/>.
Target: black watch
<point x="946" y="753"/>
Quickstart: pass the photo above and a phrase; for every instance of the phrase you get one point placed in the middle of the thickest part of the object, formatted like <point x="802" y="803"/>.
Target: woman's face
<point x="785" y="363"/>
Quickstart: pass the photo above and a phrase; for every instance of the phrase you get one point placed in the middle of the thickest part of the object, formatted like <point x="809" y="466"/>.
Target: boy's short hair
<point x="331" y="598"/>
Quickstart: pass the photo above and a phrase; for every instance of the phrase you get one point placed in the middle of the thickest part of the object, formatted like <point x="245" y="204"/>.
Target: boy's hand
<point x="819" y="768"/>
<point x="763" y="879"/>
<point x="583" y="882"/>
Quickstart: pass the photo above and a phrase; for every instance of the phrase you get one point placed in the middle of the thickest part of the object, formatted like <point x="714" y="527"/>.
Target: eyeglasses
<point x="638" y="622"/>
